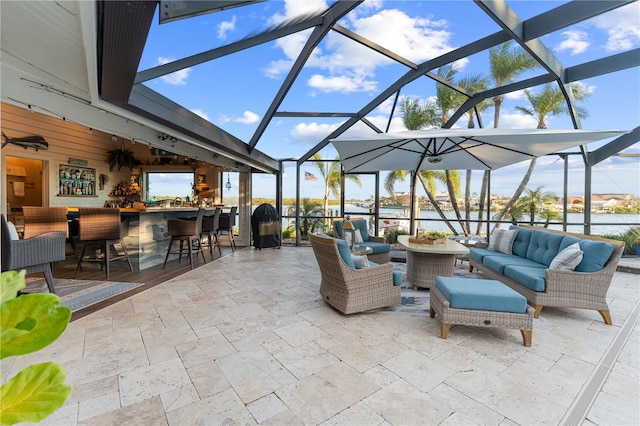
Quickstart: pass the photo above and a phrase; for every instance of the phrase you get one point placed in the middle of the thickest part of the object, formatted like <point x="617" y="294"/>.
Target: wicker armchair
<point x="101" y="228"/>
<point x="210" y="225"/>
<point x="227" y="222"/>
<point x="35" y="254"/>
<point x="377" y="244"/>
<point x="189" y="231"/>
<point x="352" y="290"/>
<point x="39" y="220"/>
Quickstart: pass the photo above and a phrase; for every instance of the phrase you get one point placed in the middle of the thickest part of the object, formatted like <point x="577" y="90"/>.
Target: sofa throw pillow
<point x="502" y="240"/>
<point x="13" y="232"/>
<point x="357" y="237"/>
<point x="361" y="262"/>
<point x="568" y="258"/>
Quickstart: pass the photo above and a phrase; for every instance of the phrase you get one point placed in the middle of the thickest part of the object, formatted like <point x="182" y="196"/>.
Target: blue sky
<point x="235" y="91"/>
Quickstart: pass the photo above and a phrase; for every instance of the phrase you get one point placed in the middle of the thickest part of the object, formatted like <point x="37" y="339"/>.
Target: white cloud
<point x="349" y="65"/>
<point x="226" y="26"/>
<point x="515" y="121"/>
<point x="343" y="83"/>
<point x="621" y="26"/>
<point x="309" y="133"/>
<point x="293" y="8"/>
<point x="518" y="94"/>
<point x="200" y="113"/>
<point x="575" y="41"/>
<point x="248" y="117"/>
<point x="178" y="78"/>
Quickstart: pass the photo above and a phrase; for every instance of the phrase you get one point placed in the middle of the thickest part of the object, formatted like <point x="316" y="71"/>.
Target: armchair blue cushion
<point x="380" y="249"/>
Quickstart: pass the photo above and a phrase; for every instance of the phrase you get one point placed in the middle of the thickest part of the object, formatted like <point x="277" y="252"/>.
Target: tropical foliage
<point x="310" y="214"/>
<point x="28" y="324"/>
<point x="331" y="173"/>
<point x="536" y="205"/>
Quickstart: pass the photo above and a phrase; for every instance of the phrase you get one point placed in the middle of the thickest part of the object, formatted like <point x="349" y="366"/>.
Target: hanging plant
<point x="121" y="158"/>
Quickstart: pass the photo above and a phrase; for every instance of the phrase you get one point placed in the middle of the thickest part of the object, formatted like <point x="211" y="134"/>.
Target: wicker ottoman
<point x="484" y="303"/>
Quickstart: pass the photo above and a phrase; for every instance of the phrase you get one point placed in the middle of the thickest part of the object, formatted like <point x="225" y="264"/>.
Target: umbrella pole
<point x="489" y="205"/>
<point x="412" y="204"/>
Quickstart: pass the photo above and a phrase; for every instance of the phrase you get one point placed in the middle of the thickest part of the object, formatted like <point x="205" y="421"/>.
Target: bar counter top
<point x="154" y="209"/>
<point x="147" y="239"/>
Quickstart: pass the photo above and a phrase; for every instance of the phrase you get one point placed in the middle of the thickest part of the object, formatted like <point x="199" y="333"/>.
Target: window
<point x="169" y="185"/>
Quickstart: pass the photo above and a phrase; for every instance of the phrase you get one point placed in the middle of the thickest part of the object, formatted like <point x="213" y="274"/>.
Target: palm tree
<point x="535" y="202"/>
<point x="418" y="114"/>
<point x="473" y="84"/>
<point x="505" y="65"/>
<point x="446" y="100"/>
<point x="549" y="102"/>
<point x="309" y="223"/>
<point x="330" y="172"/>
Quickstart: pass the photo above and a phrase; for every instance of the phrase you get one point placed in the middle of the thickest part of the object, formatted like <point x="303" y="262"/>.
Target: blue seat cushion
<point x="345" y="252"/>
<point x="530" y="277"/>
<point x="478" y="254"/>
<point x="498" y="263"/>
<point x="377" y="248"/>
<point x="481" y="295"/>
<point x="397" y="278"/>
<point x="594" y="253"/>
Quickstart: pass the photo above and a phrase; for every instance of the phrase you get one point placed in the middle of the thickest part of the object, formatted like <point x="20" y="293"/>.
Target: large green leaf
<point x="31" y="322"/>
<point x="11" y="282"/>
<point x="33" y="394"/>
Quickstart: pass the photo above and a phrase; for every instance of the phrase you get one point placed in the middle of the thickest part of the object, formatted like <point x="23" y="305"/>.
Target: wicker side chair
<point x="352" y="290"/>
<point x="227" y="222"/>
<point x="39" y="220"/>
<point x="35" y="254"/>
<point x="210" y="225"/>
<point x="189" y="231"/>
<point x="101" y="228"/>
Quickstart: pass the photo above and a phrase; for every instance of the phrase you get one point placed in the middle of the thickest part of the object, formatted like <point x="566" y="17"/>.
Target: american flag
<point x="309" y="176"/>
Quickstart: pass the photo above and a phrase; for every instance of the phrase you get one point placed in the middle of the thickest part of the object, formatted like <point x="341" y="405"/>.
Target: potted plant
<point x="29" y="323"/>
<point x="635" y="236"/>
<point x="121" y="158"/>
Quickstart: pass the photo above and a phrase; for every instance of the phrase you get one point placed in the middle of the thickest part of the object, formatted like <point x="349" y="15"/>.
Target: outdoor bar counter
<point x="147" y="241"/>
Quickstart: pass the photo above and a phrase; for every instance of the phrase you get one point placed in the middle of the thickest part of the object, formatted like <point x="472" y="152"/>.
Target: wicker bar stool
<point x="210" y="225"/>
<point x="227" y="222"/>
<point x="189" y="231"/>
<point x="40" y="220"/>
<point x="101" y="228"/>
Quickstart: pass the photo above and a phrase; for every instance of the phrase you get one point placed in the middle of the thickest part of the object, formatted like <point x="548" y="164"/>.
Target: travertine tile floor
<point x="247" y="340"/>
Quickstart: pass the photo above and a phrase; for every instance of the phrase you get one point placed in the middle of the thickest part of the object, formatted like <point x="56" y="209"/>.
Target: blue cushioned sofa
<point x="527" y="269"/>
<point x="380" y="249"/>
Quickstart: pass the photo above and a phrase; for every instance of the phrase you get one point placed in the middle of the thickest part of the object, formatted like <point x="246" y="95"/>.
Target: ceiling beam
<point x="209" y="55"/>
<point x="614" y="147"/>
<point x="330" y="17"/>
<point x="613" y="63"/>
<point x="568" y="14"/>
<point x="150" y="104"/>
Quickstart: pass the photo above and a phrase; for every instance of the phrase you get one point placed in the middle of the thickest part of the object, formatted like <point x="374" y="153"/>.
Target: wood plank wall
<point x="71" y="140"/>
<point x="66" y="140"/>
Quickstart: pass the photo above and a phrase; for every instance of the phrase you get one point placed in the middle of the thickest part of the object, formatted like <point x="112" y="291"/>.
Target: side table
<point x="360" y="250"/>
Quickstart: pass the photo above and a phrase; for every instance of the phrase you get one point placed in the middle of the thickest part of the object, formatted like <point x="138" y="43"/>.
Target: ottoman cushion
<point x="481" y="295"/>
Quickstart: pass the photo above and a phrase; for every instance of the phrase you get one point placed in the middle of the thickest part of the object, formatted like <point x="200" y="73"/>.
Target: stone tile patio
<point x="247" y="340"/>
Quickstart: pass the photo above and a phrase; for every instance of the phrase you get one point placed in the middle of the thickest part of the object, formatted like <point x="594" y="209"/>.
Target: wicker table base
<point x="448" y="316"/>
<point x="423" y="268"/>
<point x="425" y="262"/>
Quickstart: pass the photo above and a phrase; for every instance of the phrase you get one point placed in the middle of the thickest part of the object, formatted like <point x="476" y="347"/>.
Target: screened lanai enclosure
<point x="264" y="88"/>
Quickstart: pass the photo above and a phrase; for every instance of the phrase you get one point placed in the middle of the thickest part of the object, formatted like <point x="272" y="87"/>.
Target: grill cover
<point x="265" y="226"/>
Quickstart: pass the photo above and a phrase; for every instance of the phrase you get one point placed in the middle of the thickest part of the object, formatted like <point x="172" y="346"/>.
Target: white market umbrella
<point x="458" y="149"/>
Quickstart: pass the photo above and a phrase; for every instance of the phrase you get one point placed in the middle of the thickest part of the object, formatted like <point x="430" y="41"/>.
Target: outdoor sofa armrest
<point x="43" y="248"/>
<point x="375" y="239"/>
